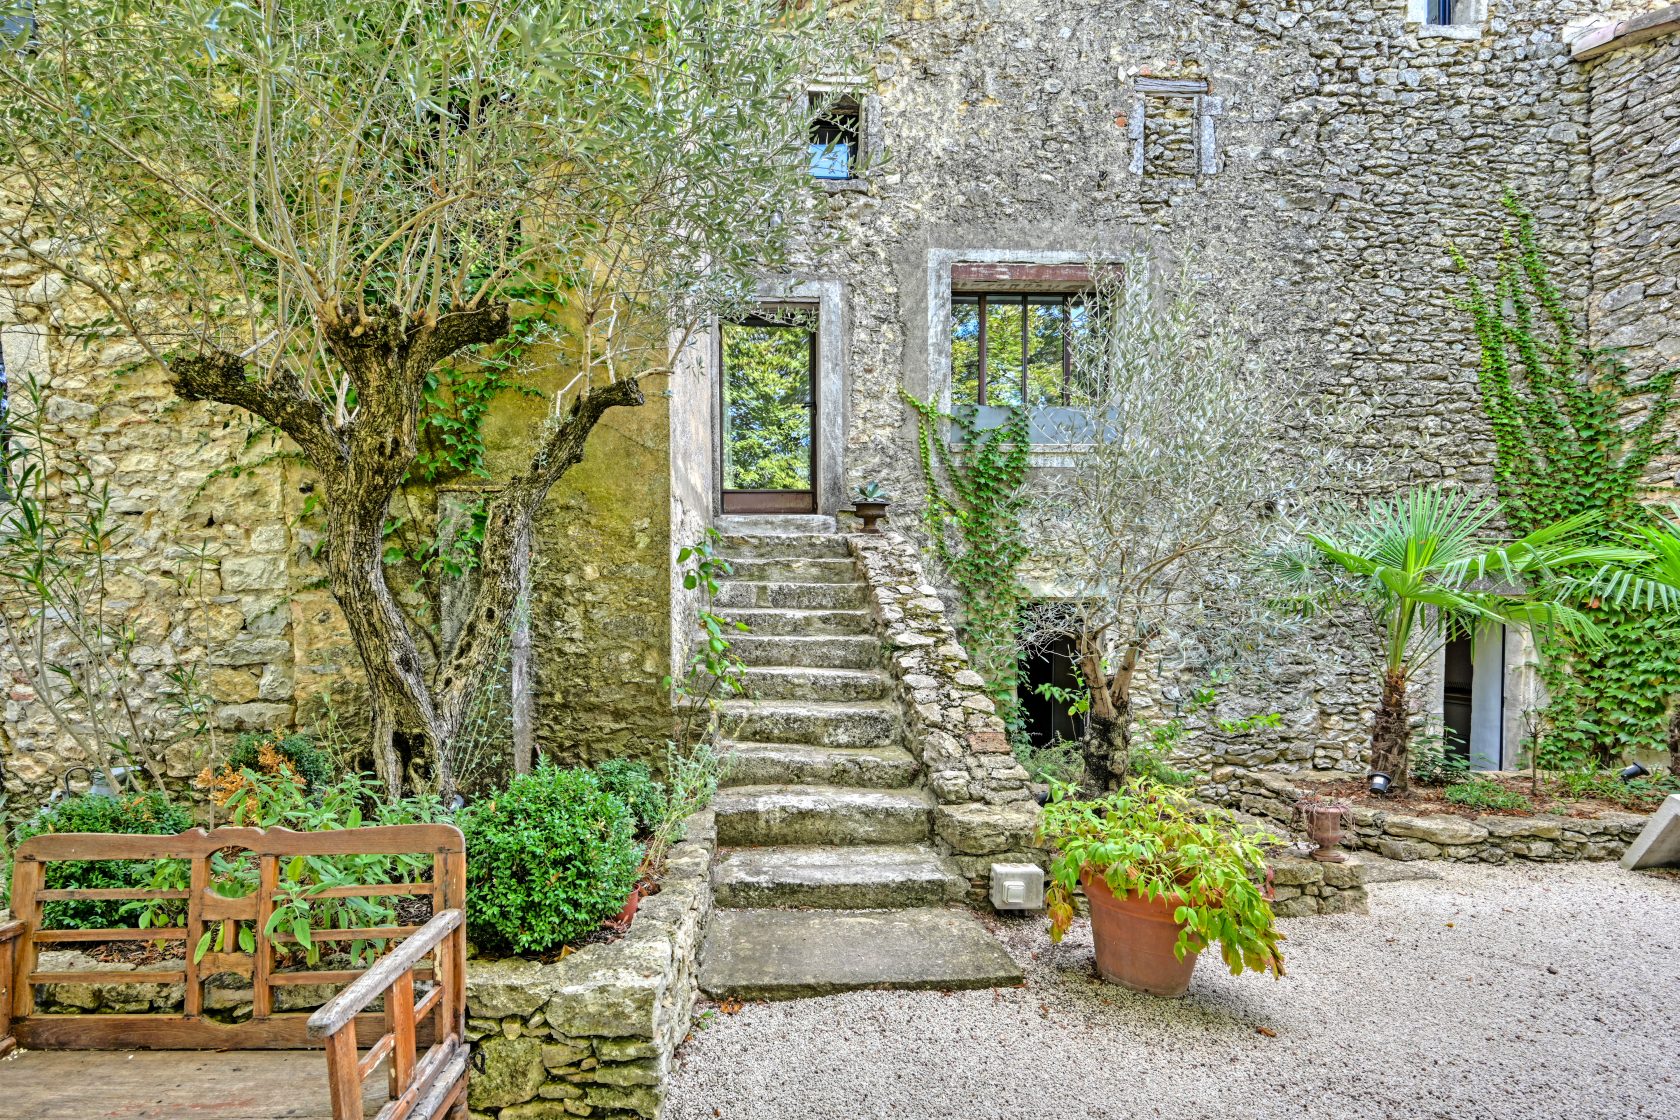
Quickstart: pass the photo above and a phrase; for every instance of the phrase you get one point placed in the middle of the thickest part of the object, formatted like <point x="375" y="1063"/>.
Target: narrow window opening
<point x="1050" y="688"/>
<point x="836" y="131"/>
<point x="1441" y="13"/>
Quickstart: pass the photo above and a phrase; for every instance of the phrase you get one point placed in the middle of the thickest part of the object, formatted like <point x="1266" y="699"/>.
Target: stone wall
<point x="1634" y="141"/>
<point x="594" y="1033"/>
<point x="1404" y="836"/>
<point x="986" y="812"/>
<point x="1350" y="145"/>
<point x="1302" y="886"/>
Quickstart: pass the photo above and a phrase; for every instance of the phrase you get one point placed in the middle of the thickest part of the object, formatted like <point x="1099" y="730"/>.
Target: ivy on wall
<point x="975" y="495"/>
<point x="1576" y="431"/>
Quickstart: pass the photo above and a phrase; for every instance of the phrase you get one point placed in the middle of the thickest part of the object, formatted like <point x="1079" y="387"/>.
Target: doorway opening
<point x="1049" y="717"/>
<point x="767" y="410"/>
<point x="1473" y="698"/>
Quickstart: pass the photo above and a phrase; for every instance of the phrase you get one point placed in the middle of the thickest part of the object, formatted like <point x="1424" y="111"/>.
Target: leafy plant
<point x="1057" y="762"/>
<point x="1638" y="793"/>
<point x="1419" y="564"/>
<point x="1156" y="842"/>
<point x="1576" y="430"/>
<point x="871" y="492"/>
<point x="1432" y="763"/>
<point x="975" y="482"/>
<point x="148" y="814"/>
<point x="714" y="674"/>
<point x="308" y="762"/>
<point x="692" y="774"/>
<point x="1482" y="793"/>
<point x="633" y="783"/>
<point x="548" y="860"/>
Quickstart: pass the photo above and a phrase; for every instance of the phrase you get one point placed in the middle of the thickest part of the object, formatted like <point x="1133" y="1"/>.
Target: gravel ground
<point x="1501" y="993"/>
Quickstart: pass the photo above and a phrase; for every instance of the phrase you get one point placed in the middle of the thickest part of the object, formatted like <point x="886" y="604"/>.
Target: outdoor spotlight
<point x="457" y="802"/>
<point x="1380" y="782"/>
<point x="1634" y="771"/>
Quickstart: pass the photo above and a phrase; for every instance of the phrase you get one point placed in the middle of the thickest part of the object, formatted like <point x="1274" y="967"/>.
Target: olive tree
<point x="1188" y="460"/>
<point x="301" y="208"/>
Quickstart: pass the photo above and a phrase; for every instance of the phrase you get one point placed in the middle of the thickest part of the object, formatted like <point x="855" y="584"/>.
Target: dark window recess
<point x="1011" y="349"/>
<point x="1441" y="12"/>
<point x="836" y="130"/>
<point x="1458" y="680"/>
<point x="1054" y="663"/>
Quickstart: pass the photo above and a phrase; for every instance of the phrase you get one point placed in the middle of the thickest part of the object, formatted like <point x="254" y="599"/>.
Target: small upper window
<point x="836" y="131"/>
<point x="1441" y="13"/>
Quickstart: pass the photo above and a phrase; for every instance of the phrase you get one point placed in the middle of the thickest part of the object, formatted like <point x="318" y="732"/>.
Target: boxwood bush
<point x="151" y="814"/>
<point x="633" y="783"/>
<point x="548" y="860"/>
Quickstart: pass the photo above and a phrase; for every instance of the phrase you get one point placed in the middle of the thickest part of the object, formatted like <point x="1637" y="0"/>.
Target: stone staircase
<point x="826" y="878"/>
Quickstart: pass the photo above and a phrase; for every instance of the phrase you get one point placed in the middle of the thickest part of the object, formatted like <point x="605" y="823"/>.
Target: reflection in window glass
<point x="1004" y="342"/>
<point x="767" y="383"/>
<point x="965" y="348"/>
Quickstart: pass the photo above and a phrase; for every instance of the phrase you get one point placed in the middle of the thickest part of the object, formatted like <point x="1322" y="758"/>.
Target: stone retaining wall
<point x="1304" y="886"/>
<point x="1403" y="836"/>
<point x="986" y="813"/>
<point x="593" y="1034"/>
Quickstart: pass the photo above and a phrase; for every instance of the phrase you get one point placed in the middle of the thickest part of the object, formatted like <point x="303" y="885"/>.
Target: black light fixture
<point x="1632" y="772"/>
<point x="1380" y="782"/>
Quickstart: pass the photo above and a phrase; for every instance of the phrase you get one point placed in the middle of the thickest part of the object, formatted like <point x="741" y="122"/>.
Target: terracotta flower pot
<point x="628" y="914"/>
<point x="1134" y="940"/>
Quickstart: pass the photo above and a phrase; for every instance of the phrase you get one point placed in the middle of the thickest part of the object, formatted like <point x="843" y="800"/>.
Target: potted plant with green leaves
<point x="1165" y="878"/>
<point x="870" y="505"/>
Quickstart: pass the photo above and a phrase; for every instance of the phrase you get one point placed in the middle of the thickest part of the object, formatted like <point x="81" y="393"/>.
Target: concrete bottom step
<point x="872" y="877"/>
<point x="785" y="954"/>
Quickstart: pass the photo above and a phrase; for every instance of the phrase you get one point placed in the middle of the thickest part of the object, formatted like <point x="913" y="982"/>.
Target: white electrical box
<point x="1017" y="886"/>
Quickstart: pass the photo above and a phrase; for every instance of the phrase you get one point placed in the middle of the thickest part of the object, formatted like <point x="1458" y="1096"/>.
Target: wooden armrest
<point x="9" y="930"/>
<point x="342" y="1009"/>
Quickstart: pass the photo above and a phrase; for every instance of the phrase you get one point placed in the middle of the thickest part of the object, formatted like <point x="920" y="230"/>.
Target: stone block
<point x="1288" y="872"/>
<point x="1522" y="828"/>
<point x="255" y="716"/>
<point x="978" y="829"/>
<point x="499" y="988"/>
<point x="253" y="573"/>
<point x="506" y="1071"/>
<point x="1436" y="830"/>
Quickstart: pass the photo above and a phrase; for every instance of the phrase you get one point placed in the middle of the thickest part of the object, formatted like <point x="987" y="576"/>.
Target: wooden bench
<point x="421" y="1042"/>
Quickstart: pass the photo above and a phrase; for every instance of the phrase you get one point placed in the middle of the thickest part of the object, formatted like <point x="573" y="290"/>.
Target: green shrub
<point x="149" y="814"/>
<point x="633" y="783"/>
<point x="548" y="860"/>
<point x="1607" y="785"/>
<point x="300" y="752"/>
<point x="1480" y="793"/>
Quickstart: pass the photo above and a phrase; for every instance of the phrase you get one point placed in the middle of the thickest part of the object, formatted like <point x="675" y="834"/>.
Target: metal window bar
<point x="983" y="376"/>
<point x="1441" y="12"/>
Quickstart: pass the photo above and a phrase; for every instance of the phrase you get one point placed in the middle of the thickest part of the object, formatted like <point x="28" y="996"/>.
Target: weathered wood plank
<point x="288" y="1031"/>
<point x="366" y="988"/>
<point x="197" y="843"/>
<point x="154" y="1085"/>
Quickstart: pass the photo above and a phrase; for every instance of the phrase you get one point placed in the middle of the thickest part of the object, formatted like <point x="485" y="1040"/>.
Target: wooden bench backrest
<point x="188" y="1029"/>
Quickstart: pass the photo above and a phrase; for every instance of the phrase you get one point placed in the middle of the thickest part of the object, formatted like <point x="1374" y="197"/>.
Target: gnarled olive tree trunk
<point x="361" y="460"/>
<point x="1107" y="744"/>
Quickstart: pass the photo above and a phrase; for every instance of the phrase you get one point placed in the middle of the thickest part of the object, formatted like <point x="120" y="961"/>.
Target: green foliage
<point x="271" y="798"/>
<point x="149" y="814"/>
<point x="1157" y="842"/>
<point x="692" y="774"/>
<point x="1150" y="759"/>
<point x="548" y="860"/>
<point x="1433" y="764"/>
<point x="871" y="492"/>
<point x="1559" y="411"/>
<point x="633" y="783"/>
<point x="975" y="498"/>
<point x="1640" y="793"/>
<point x="1482" y="793"/>
<point x="767" y="397"/>
<point x="310" y="763"/>
<point x="714" y="673"/>
<point x="1059" y="762"/>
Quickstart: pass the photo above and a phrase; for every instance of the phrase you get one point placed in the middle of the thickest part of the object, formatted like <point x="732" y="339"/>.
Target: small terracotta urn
<point x="1324" y="825"/>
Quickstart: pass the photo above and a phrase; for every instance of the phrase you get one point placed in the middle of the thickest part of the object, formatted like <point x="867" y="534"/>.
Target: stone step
<point x="772" y="683"/>
<point x="813" y="814"/>
<point x="821" y="724"/>
<point x="870" y="877"/>
<point x="794" y="569"/>
<point x="742" y="546"/>
<point x="795" y="623"/>
<point x="774" y="764"/>
<point x="862" y="652"/>
<point x="788" y="595"/>
<point x="776" y="524"/>
<point x="785" y="954"/>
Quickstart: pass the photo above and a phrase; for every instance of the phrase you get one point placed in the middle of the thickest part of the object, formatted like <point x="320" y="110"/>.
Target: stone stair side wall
<point x="594" y="1034"/>
<point x="1447" y="836"/>
<point x="986" y="812"/>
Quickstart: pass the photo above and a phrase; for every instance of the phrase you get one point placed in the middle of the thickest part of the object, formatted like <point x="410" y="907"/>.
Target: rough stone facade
<point x="1400" y="836"/>
<point x="593" y="1034"/>
<point x="1302" y="886"/>
<point x="986" y="812"/>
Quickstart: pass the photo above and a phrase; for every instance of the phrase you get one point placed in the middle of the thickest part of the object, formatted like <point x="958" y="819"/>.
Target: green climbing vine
<point x="1558" y="410"/>
<point x="975" y="495"/>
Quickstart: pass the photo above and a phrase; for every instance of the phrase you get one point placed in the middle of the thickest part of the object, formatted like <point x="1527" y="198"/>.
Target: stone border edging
<point x="1449" y="837"/>
<point x="986" y="812"/>
<point x="593" y="1034"/>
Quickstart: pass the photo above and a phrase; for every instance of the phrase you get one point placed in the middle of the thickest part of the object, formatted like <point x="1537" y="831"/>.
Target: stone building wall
<point x="1634" y="146"/>
<point x="1350" y="144"/>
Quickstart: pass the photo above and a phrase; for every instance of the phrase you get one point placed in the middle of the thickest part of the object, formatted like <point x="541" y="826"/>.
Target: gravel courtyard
<point x="1508" y="992"/>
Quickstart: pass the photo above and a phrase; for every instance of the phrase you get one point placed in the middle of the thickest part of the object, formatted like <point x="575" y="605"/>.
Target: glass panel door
<point x="769" y="417"/>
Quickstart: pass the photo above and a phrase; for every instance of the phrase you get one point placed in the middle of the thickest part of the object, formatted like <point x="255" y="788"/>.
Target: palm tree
<point x="1426" y="568"/>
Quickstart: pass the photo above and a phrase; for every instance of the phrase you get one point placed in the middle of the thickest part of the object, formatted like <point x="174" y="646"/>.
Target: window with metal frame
<point x="1014" y="348"/>
<point x="836" y="136"/>
<point x="1441" y="12"/>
